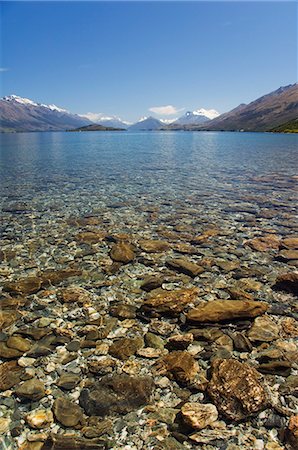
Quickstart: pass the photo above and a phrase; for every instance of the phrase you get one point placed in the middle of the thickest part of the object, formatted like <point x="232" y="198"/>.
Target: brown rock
<point x="10" y="375"/>
<point x="123" y="348"/>
<point x="199" y="415"/>
<point x="282" y="368"/>
<point x="265" y="243"/>
<point x="184" y="266"/>
<point x="38" y="419"/>
<point x="180" y="341"/>
<point x="152" y="282"/>
<point x="74" y="294"/>
<point x="116" y="394"/>
<point x="8" y="318"/>
<point x="90" y="237"/>
<point x="220" y="310"/>
<point x="152" y="246"/>
<point x="18" y="343"/>
<point x="66" y="442"/>
<point x="290" y="242"/>
<point x="123" y="311"/>
<point x="264" y="330"/>
<point x="122" y="252"/>
<point x="227" y="266"/>
<point x="288" y="255"/>
<point x="57" y="276"/>
<point x="235" y="389"/>
<point x="67" y="412"/>
<point x="25" y="286"/>
<point x="9" y="353"/>
<point x="179" y="364"/>
<point x="291" y="434"/>
<point x="170" y="302"/>
<point x="68" y="381"/>
<point x="32" y="389"/>
<point x="287" y="282"/>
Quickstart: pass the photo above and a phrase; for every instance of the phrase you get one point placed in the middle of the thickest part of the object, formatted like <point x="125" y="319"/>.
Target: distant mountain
<point x="114" y="123"/>
<point x="23" y="114"/>
<point x="97" y="127"/>
<point x="267" y="112"/>
<point x="196" y="117"/>
<point x="146" y="124"/>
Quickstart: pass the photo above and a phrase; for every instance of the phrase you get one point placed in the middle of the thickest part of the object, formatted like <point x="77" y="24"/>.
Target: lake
<point x="117" y="248"/>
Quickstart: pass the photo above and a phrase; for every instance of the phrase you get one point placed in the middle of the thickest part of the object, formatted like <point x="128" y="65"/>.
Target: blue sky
<point x="124" y="58"/>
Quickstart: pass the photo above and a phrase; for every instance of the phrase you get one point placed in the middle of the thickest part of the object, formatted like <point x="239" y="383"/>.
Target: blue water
<point x="78" y="173"/>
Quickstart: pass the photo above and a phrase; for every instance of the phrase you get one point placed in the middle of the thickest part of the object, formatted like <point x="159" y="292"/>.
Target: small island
<point x="96" y="127"/>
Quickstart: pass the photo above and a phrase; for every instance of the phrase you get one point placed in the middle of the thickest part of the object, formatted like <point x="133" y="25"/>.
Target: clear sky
<point x="124" y="58"/>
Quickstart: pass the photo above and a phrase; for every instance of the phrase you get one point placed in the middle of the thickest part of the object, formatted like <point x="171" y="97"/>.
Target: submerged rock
<point x="116" y="394"/>
<point x="179" y="365"/>
<point x="220" y="310"/>
<point x="235" y="389"/>
<point x="170" y="302"/>
<point x="67" y="413"/>
<point x="32" y="390"/>
<point x="40" y="418"/>
<point x="264" y="330"/>
<point x="153" y="246"/>
<point x="184" y="266"/>
<point x="25" y="286"/>
<point x="122" y="252"/>
<point x="287" y="282"/>
<point x="123" y="348"/>
<point x="199" y="415"/>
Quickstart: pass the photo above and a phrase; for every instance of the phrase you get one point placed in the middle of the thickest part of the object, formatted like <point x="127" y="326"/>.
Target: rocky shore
<point x="149" y="326"/>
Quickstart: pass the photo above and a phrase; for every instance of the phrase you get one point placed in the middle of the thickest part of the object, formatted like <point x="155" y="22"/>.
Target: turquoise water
<point x="202" y="176"/>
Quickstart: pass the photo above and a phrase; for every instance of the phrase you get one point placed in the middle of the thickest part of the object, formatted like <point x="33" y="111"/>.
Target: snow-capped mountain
<point x="196" y="117"/>
<point x="146" y="124"/>
<point x="22" y="114"/>
<point x="107" y="121"/>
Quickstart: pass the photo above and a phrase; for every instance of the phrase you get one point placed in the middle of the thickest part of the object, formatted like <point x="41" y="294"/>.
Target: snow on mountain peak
<point x="27" y="101"/>
<point x="210" y="113"/>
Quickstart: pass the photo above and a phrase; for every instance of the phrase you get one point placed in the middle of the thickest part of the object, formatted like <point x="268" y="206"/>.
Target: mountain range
<point x="22" y="114"/>
<point x="276" y="111"/>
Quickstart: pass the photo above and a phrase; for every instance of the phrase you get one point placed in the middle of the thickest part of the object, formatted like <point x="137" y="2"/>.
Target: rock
<point x="184" y="266"/>
<point x="90" y="237"/>
<point x="241" y="342"/>
<point x="179" y="365"/>
<point x="73" y="294"/>
<point x="199" y="415"/>
<point x="220" y="310"/>
<point x="290" y="386"/>
<point x="10" y="375"/>
<point x="263" y="330"/>
<point x="102" y="366"/>
<point x="122" y="252"/>
<point x="170" y="302"/>
<point x="123" y="311"/>
<point x="227" y="266"/>
<point x="153" y="246"/>
<point x="180" y="341"/>
<point x="116" y="394"/>
<point x="40" y="418"/>
<point x="290" y="242"/>
<point x="7" y="318"/>
<point x="287" y="282"/>
<point x="235" y="389"/>
<point x="32" y="389"/>
<point x="68" y="381"/>
<point x="154" y="341"/>
<point x="123" y="348"/>
<point x="282" y="368"/>
<point x="265" y="243"/>
<point x="67" y="413"/>
<point x="53" y="277"/>
<point x="4" y="425"/>
<point x="97" y="428"/>
<point x="288" y="255"/>
<point x="25" y="286"/>
<point x="291" y="434"/>
<point x="8" y="352"/>
<point x="208" y="436"/>
<point x="65" y="442"/>
<point x="152" y="282"/>
<point x="18" y="343"/>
